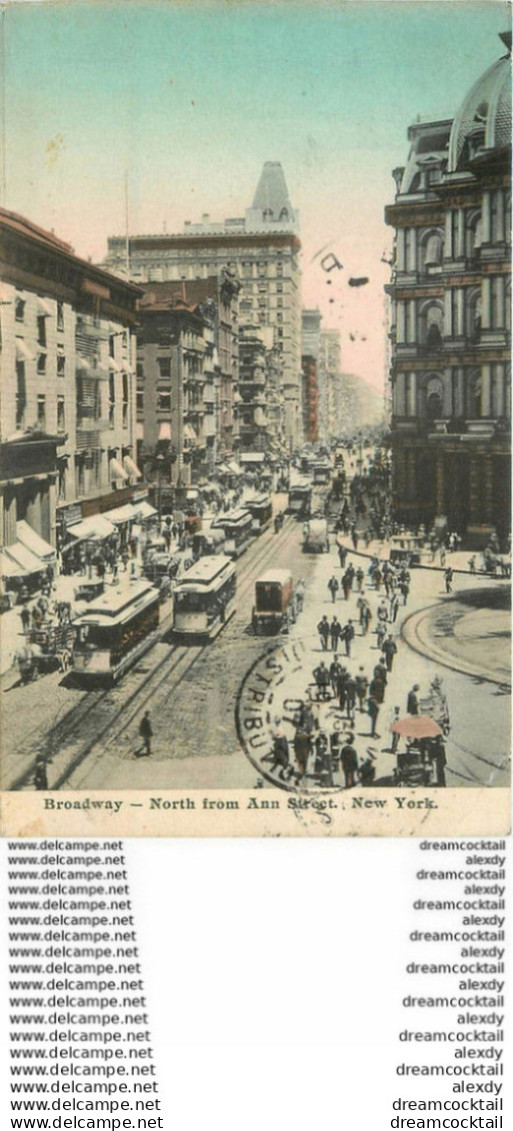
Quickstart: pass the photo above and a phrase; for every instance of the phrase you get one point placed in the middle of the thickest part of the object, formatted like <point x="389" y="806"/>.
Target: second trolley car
<point x="205" y="599"/>
<point x="261" y="511"/>
<point x="238" y="528"/>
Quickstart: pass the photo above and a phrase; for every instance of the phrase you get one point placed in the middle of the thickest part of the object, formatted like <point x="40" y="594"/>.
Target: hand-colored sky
<point x="193" y="97"/>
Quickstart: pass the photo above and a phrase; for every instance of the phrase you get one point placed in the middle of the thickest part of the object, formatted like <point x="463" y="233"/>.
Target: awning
<point x="9" y="568"/>
<point x="22" y="351"/>
<point x="144" y="509"/>
<point x="37" y="545"/>
<point x="96" y="528"/>
<point x="43" y="307"/>
<point x="120" y="514"/>
<point x="164" y="430"/>
<point x="83" y="364"/>
<point x="116" y="470"/>
<point x="131" y="467"/>
<point x="234" y="468"/>
<point x="223" y="469"/>
<point x="189" y="433"/>
<point x="113" y="364"/>
<point x="23" y="557"/>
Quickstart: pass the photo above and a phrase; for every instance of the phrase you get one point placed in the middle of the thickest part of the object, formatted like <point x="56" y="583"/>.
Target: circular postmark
<point x="289" y="719"/>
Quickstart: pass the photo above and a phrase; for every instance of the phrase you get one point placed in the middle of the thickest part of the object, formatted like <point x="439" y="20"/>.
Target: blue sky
<point x="193" y="97"/>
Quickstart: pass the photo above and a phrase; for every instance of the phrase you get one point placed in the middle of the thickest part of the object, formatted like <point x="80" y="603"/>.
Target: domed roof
<point x="484" y="119"/>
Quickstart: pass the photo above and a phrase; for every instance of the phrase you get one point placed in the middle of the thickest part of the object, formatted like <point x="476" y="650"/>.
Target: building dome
<point x="483" y="122"/>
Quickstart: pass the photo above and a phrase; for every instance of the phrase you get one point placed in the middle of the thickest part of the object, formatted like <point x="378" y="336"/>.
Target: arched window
<point x="473" y="314"/>
<point x="284" y="214"/>
<point x="268" y="214"/>
<point x="431" y="325"/>
<point x="434" y="398"/>
<point x="473" y="234"/>
<point x="473" y="393"/>
<point x="430" y="251"/>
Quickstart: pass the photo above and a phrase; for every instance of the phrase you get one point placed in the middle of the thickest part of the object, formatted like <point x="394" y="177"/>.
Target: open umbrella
<point x="416" y="726"/>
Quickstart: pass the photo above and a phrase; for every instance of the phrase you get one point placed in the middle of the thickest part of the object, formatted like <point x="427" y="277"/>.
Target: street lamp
<point x="160" y="460"/>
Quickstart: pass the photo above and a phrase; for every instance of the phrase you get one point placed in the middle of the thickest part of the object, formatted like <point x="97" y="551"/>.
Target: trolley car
<point x="116" y="630"/>
<point x="205" y="599"/>
<point x="300" y="500"/>
<point x="261" y="511"/>
<point x="238" y="528"/>
<point x="274" y="608"/>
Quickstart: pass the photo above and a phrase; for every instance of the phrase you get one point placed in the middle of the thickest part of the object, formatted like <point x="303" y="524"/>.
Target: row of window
<point x="20" y="308"/>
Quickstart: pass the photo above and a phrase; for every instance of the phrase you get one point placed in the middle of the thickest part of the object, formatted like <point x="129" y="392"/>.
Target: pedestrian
<point x="348" y="635"/>
<point x="366" y="617"/>
<point x="389" y="648"/>
<point x="280" y="754"/>
<point x="341" y="688"/>
<point x="333" y="587"/>
<point x="448" y="575"/>
<point x="362" y="684"/>
<point x="346" y="585"/>
<point x="40" y="773"/>
<point x="300" y="594"/>
<point x="342" y="555"/>
<point x="323" y="628"/>
<point x="382" y="611"/>
<point x="25" y="618"/>
<point x="351" y="697"/>
<point x="440" y="760"/>
<point x="394" y="607"/>
<point x="146" y="732"/>
<point x="381" y="632"/>
<point x="472" y="563"/>
<point x="405" y="590"/>
<point x="373" y="711"/>
<point x="322" y="678"/>
<point x="302" y="751"/>
<point x="442" y="556"/>
<point x="336" y="632"/>
<point x="349" y="761"/>
<point x="359" y="575"/>
<point x="380" y="671"/>
<point x="335" y="673"/>
<point x="412" y="702"/>
<point x="354" y="536"/>
<point x="394" y="718"/>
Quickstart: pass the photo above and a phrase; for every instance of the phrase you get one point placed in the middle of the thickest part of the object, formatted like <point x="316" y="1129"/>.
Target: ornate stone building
<point x="451" y="304"/>
<point x="262" y="247"/>
<point x="67" y="356"/>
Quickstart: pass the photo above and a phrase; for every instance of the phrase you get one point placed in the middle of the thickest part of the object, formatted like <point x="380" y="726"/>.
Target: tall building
<point x="311" y="321"/>
<point x="261" y="405"/>
<point x="262" y="247"/>
<point x="451" y="303"/>
<point x="68" y="399"/>
<point x="331" y="416"/>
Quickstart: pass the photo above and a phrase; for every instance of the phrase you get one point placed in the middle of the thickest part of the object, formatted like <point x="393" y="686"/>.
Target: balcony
<point x="89" y="423"/>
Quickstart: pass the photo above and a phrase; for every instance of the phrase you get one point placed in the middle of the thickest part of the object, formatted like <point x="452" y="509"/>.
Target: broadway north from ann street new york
<point x="227" y="560"/>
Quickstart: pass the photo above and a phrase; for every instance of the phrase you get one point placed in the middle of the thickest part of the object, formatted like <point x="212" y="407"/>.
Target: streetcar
<point x="118" y="627"/>
<point x="300" y="500"/>
<point x="238" y="529"/>
<point x="321" y="472"/>
<point x="274" y="608"/>
<point x="205" y="599"/>
<point x="261" y="511"/>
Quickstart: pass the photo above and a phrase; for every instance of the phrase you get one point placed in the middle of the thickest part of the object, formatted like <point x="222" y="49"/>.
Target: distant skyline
<point x="191" y="99"/>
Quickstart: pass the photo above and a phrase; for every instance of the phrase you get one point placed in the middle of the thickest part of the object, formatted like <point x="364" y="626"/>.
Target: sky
<point x="189" y="99"/>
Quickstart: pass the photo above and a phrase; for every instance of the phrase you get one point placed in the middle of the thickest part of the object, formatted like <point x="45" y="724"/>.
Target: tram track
<point x="67" y="729"/>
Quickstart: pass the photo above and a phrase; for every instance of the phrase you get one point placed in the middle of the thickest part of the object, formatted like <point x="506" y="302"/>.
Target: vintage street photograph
<point x="255" y="335"/>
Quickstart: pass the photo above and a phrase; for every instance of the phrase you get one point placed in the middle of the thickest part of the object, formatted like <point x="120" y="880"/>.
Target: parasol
<point x="416" y="726"/>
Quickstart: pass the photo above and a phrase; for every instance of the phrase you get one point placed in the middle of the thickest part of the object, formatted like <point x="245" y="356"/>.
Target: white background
<point x="274" y="973"/>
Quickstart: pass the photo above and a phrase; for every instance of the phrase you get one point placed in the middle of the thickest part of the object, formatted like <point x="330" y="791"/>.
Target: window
<point x="41" y="363"/>
<point x="19" y="307"/>
<point x="112" y="400"/>
<point x="41" y="410"/>
<point x="21" y="395"/>
<point x="164" y="364"/>
<point x="125" y="400"/>
<point x="61" y="417"/>
<point x="140" y="369"/>
<point x="280" y="333"/>
<point x="111" y="345"/>
<point x="62" y="480"/>
<point x="41" y="330"/>
<point x="80" y="474"/>
<point x="60" y="316"/>
<point x="61" y="365"/>
<point x="140" y="402"/>
<point x="164" y="402"/>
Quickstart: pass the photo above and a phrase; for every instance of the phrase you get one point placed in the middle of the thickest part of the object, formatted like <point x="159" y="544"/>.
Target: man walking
<point x="349" y="761"/>
<point x="362" y="684"/>
<point x="373" y="709"/>
<point x="333" y="587"/>
<point x="412" y="702"/>
<point x="323" y="628"/>
<point x="389" y="648"/>
<point x="146" y="732"/>
<point x="348" y="636"/>
<point x="322" y="679"/>
<point x="448" y="575"/>
<point x="335" y="633"/>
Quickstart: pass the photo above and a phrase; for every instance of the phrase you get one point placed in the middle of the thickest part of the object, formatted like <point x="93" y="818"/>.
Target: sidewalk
<point x="378" y="548"/>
